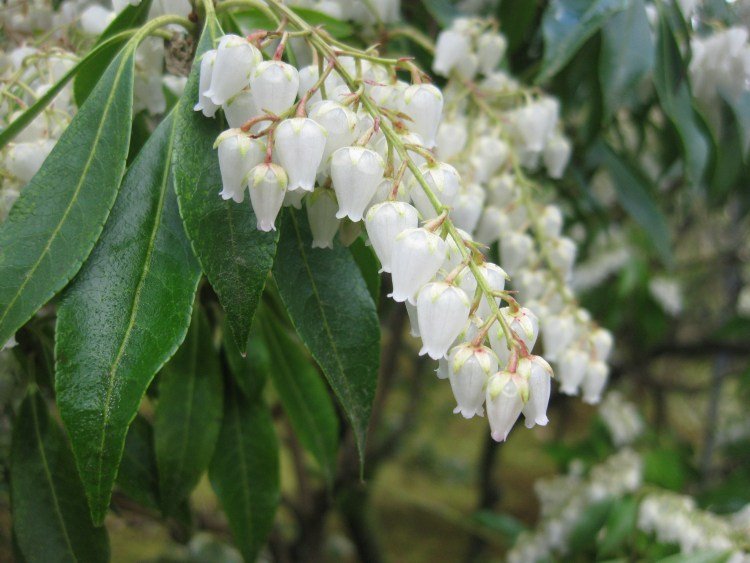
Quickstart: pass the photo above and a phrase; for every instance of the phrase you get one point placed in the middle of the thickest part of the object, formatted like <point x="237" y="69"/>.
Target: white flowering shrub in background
<point x="238" y="237"/>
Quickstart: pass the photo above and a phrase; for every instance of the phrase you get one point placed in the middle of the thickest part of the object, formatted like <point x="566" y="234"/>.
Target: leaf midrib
<point x="74" y="198"/>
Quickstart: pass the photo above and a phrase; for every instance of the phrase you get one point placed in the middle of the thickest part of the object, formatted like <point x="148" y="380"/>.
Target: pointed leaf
<point x="368" y="264"/>
<point x="188" y="415"/>
<point x="332" y="311"/>
<point x="50" y="518"/>
<point x="244" y="471"/>
<point x="137" y="477"/>
<point x="57" y="219"/>
<point x="124" y="316"/>
<point x="234" y="255"/>
<point x="304" y="396"/>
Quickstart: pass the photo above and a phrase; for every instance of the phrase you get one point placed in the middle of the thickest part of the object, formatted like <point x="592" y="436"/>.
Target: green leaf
<point x="188" y="414"/>
<point x="636" y="196"/>
<point x="332" y="311"/>
<point x="248" y="367"/>
<point x="244" y="471"/>
<point x="566" y="26"/>
<point x="369" y="266"/>
<point x="124" y="316"/>
<point x="627" y="55"/>
<point x="235" y="256"/>
<point x="55" y="223"/>
<point x="50" y="517"/>
<point x="619" y="527"/>
<point x="583" y="535"/>
<point x="106" y="48"/>
<point x="443" y="11"/>
<point x="304" y="396"/>
<point x="704" y="556"/>
<point x="516" y="18"/>
<point x="665" y="468"/>
<point x="255" y="19"/>
<point x="137" y="477"/>
<point x="671" y="83"/>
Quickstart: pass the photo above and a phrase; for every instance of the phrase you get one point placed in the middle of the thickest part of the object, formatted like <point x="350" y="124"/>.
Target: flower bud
<point x="451" y="49"/>
<point x="453" y="254"/>
<point x="467" y="207"/>
<point x="383" y="193"/>
<point x="503" y="190"/>
<point x="339" y="122"/>
<point x="299" y="145"/>
<point x="411" y="310"/>
<point x="204" y="102"/>
<point x="556" y="156"/>
<point x="557" y="333"/>
<point x="490" y="50"/>
<point x="321" y="213"/>
<point x="384" y="222"/>
<point x="23" y="160"/>
<point x="538" y="373"/>
<point x="551" y="221"/>
<point x="602" y="341"/>
<point x="308" y="76"/>
<point x="442" y="310"/>
<point x="274" y="86"/>
<point x="235" y="61"/>
<point x="356" y="173"/>
<point x="416" y="257"/>
<point x="496" y="278"/>
<point x="594" y="382"/>
<point x="294" y="199"/>
<point x="516" y="250"/>
<point x="504" y="402"/>
<point x="523" y="323"/>
<point x="489" y="156"/>
<point x="451" y="138"/>
<point x="493" y="224"/>
<point x="238" y="154"/>
<point x="423" y="103"/>
<point x="443" y="369"/>
<point x="241" y="108"/>
<point x="469" y="369"/>
<point x="267" y="188"/>
<point x="562" y="256"/>
<point x="444" y="182"/>
<point x="572" y="369"/>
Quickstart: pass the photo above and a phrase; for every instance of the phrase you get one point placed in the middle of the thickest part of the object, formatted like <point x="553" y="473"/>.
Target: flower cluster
<point x="564" y="498"/>
<point x="621" y="418"/>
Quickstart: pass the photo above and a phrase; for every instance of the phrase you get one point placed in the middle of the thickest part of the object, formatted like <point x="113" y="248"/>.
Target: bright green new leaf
<point x="55" y="223"/>
<point x="50" y="518"/>
<point x="124" y="316"/>
<point x="334" y="314"/>
<point x="188" y="414"/>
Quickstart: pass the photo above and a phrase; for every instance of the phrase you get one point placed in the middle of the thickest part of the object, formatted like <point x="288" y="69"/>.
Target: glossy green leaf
<point x="566" y="26"/>
<point x="620" y="526"/>
<point x="637" y="197"/>
<point x="590" y="522"/>
<point x="627" y="55"/>
<point x="244" y="471"/>
<point x="124" y="316"/>
<point x="516" y="18"/>
<point x="50" y="518"/>
<point x="249" y="367"/>
<point x="188" y="415"/>
<point x="56" y="221"/>
<point x="368" y="265"/>
<point x="107" y="46"/>
<point x="702" y="556"/>
<point x="304" y="396"/>
<point x="235" y="256"/>
<point x="137" y="477"/>
<point x="671" y="83"/>
<point x="332" y="311"/>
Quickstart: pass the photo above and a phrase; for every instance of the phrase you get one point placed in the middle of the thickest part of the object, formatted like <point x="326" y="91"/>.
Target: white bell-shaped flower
<point x="451" y="49"/>
<point x="530" y="124"/>
<point x="469" y="369"/>
<point x="411" y="311"/>
<point x="556" y="155"/>
<point x="467" y="207"/>
<point x="451" y="138"/>
<point x="384" y="190"/>
<point x="491" y="48"/>
<point x="496" y="278"/>
<point x="489" y="155"/>
<point x="538" y="373"/>
<point x="468" y="70"/>
<point x="339" y="122"/>
<point x="204" y="102"/>
<point x="602" y="341"/>
<point x="235" y="61"/>
<point x="531" y="284"/>
<point x="453" y="255"/>
<point x="503" y="190"/>
<point x="493" y="223"/>
<point x="443" y="310"/>
<point x="516" y="250"/>
<point x="504" y="401"/>
<point x="423" y="103"/>
<point x="572" y="368"/>
<point x="274" y="86"/>
<point x="442" y="371"/>
<point x="299" y="145"/>
<point x="558" y="332"/>
<point x="308" y="76"/>
<point x="321" y="213"/>
<point x="238" y="154"/>
<point x="241" y="108"/>
<point x="551" y="221"/>
<point x="23" y="160"/>
<point x="294" y="199"/>
<point x="443" y="180"/>
<point x="384" y="222"/>
<point x="523" y="323"/>
<point x="594" y="382"/>
<point x="356" y="173"/>
<point x="416" y="257"/>
<point x="562" y="255"/>
<point x="267" y="182"/>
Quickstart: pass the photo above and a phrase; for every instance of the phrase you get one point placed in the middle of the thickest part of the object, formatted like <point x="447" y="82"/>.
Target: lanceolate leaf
<point x="304" y="396"/>
<point x="188" y="415"/>
<point x="234" y="255"/>
<point x="332" y="311"/>
<point x="54" y="224"/>
<point x="137" y="477"/>
<point x="50" y="518"/>
<point x="244" y="471"/>
<point x="566" y="26"/>
<point x="123" y="317"/>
